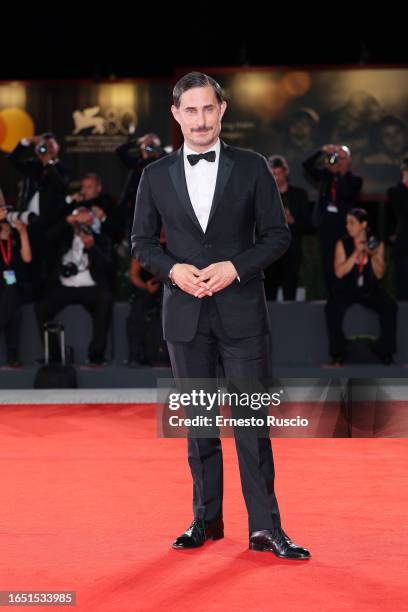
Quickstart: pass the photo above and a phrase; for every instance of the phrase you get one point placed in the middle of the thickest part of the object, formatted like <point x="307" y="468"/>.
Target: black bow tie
<point x="194" y="159"/>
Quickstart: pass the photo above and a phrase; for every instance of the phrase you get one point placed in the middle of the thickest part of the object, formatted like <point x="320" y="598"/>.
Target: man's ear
<point x="223" y="108"/>
<point x="175" y="112"/>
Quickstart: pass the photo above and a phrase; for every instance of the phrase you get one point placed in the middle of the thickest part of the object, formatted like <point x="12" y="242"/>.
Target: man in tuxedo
<point x="224" y="222"/>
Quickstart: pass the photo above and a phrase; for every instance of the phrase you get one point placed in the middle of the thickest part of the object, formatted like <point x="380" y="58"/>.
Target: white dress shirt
<point x="34" y="203"/>
<point x="78" y="256"/>
<point x="201" y="179"/>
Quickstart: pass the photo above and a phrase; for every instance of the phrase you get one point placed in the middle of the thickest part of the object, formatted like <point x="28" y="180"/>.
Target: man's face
<point x="280" y="175"/>
<point x="90" y="188"/>
<point x="199" y="116"/>
<point x="52" y="147"/>
<point x="344" y="162"/>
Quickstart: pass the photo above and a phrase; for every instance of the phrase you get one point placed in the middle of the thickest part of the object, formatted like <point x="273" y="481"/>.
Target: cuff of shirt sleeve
<point x="171" y="276"/>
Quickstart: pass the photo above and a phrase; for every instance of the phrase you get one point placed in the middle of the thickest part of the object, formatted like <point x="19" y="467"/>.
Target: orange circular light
<point x="18" y="124"/>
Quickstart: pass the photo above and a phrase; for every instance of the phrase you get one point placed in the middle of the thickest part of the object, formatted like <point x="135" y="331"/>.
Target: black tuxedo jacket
<point x="246" y="226"/>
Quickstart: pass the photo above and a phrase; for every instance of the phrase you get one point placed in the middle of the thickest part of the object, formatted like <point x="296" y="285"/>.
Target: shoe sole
<point x="259" y="548"/>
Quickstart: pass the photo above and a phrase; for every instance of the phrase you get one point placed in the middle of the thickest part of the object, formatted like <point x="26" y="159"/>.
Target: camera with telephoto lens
<point x="69" y="199"/>
<point x="373" y="243"/>
<point x="153" y="149"/>
<point x="333" y="158"/>
<point x="69" y="269"/>
<point x="84" y="227"/>
<point x="14" y="215"/>
<point x="42" y="147"/>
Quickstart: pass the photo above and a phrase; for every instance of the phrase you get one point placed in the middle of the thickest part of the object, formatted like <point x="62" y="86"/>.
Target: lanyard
<point x="333" y="191"/>
<point x="361" y="263"/>
<point x="6" y="255"/>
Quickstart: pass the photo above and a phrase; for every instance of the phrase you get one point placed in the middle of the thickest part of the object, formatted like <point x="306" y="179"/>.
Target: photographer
<point x="81" y="276"/>
<point x="107" y="215"/>
<point x="338" y="192"/>
<point x="102" y="204"/>
<point x="136" y="155"/>
<point x="15" y="251"/>
<point x="285" y="271"/>
<point x="398" y="200"/>
<point x="42" y="195"/>
<point x="358" y="266"/>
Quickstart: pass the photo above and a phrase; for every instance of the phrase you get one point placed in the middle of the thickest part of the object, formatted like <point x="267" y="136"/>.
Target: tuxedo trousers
<point x="243" y="359"/>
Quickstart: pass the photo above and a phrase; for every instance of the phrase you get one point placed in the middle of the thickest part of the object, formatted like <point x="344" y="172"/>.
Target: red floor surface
<point x="91" y="500"/>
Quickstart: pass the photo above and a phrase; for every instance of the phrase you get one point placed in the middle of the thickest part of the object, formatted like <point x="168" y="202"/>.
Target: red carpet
<point x="91" y="500"/>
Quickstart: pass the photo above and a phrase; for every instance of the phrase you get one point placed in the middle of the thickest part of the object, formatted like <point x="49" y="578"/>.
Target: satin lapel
<point x="225" y="166"/>
<point x="179" y="180"/>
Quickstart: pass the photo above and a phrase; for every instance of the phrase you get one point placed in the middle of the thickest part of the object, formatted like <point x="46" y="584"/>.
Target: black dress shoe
<point x="198" y="532"/>
<point x="295" y="546"/>
<point x="278" y="543"/>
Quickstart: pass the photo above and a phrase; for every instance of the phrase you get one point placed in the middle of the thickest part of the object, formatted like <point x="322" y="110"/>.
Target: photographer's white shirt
<point x="34" y="204"/>
<point x="79" y="257"/>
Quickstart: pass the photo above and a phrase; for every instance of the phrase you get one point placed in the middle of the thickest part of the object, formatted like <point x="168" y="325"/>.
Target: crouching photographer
<point x="359" y="265"/>
<point x="81" y="276"/>
<point x="15" y="251"/>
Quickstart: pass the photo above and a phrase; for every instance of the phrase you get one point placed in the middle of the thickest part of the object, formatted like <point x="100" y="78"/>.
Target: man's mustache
<point x="201" y="129"/>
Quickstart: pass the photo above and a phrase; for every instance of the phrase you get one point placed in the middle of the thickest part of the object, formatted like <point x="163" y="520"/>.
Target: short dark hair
<point x="277" y="161"/>
<point x="196" y="79"/>
<point x="94" y="176"/>
<point x="48" y="136"/>
<point x="359" y="213"/>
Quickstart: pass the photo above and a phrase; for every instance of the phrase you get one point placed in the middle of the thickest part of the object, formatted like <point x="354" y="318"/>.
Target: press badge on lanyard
<point x="10" y="277"/>
<point x="360" y="266"/>
<point x="360" y="280"/>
